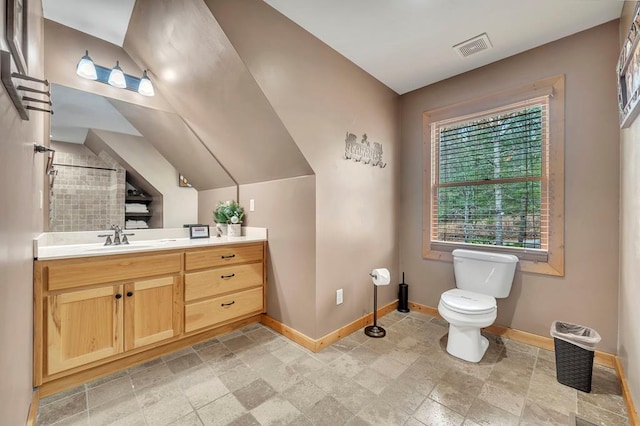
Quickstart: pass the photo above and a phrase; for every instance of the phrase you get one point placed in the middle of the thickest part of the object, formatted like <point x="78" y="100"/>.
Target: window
<point x="495" y="176"/>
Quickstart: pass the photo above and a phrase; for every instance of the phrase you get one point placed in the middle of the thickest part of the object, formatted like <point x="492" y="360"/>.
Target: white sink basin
<point x="123" y="247"/>
<point x="133" y="245"/>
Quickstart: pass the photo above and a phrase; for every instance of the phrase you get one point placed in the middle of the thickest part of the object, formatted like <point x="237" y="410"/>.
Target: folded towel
<point x="135" y="208"/>
<point x="135" y="224"/>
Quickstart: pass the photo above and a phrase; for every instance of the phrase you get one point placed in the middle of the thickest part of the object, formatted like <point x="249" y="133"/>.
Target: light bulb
<point x="145" y="88"/>
<point x="86" y="67"/>
<point x="116" y="77"/>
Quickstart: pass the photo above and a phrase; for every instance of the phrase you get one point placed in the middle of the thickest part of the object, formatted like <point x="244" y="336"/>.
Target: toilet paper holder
<point x="379" y="277"/>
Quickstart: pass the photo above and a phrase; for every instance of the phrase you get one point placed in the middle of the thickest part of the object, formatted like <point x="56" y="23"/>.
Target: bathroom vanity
<point x="99" y="309"/>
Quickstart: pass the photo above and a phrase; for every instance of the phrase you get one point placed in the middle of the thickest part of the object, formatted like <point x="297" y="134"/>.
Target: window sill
<point x="528" y="266"/>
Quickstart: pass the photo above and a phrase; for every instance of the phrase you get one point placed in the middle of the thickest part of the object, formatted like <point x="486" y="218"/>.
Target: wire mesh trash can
<point x="574" y="346"/>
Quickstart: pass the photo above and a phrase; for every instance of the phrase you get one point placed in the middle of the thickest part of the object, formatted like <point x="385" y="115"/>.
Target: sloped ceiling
<point x="176" y="142"/>
<point x="404" y="44"/>
<point x="77" y="111"/>
<point x="81" y="104"/>
<point x="107" y="20"/>
<point x="198" y="71"/>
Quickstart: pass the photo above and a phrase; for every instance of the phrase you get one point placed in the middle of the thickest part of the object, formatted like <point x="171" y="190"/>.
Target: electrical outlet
<point x="339" y="297"/>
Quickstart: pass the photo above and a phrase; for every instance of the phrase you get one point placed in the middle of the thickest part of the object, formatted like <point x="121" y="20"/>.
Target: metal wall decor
<point x="628" y="71"/>
<point x="183" y="182"/>
<point x="362" y="151"/>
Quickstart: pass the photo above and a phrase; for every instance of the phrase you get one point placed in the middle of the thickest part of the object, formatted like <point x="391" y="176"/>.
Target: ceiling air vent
<point x="473" y="46"/>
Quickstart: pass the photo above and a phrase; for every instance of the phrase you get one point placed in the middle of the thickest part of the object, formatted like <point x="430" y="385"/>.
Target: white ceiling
<point x="104" y="19"/>
<point x="77" y="111"/>
<point x="406" y="44"/>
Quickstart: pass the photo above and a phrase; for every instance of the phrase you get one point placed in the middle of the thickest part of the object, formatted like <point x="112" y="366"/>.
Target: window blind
<point x="490" y="179"/>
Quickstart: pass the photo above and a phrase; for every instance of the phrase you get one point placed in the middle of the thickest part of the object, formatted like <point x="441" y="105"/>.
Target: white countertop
<point x="63" y="245"/>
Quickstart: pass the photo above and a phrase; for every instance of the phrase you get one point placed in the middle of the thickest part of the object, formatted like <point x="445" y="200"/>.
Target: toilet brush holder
<point x="379" y="277"/>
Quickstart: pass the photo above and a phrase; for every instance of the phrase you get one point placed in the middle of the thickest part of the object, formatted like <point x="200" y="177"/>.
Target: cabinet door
<point x="151" y="311"/>
<point x="83" y="326"/>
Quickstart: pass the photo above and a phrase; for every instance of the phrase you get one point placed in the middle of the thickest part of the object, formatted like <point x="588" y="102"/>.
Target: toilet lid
<point x="464" y="301"/>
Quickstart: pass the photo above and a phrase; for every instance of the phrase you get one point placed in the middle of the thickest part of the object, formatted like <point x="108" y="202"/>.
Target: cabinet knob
<point x="118" y="296"/>
<point x="129" y="293"/>
<point x="228" y="256"/>
<point x="227" y="276"/>
<point x="228" y="304"/>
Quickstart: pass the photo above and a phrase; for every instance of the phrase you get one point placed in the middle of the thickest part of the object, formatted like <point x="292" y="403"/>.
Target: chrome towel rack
<point x="19" y="100"/>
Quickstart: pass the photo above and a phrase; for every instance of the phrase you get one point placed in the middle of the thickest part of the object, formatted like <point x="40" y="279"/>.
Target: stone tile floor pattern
<point x="255" y="376"/>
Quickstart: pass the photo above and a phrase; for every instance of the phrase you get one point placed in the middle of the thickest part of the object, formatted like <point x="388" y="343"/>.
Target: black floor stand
<point x="374" y="330"/>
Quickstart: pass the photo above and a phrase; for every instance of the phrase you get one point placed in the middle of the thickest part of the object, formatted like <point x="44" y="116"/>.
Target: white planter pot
<point x="222" y="227"/>
<point x="234" y="230"/>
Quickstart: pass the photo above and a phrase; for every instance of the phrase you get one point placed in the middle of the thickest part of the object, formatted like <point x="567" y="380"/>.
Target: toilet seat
<point x="468" y="302"/>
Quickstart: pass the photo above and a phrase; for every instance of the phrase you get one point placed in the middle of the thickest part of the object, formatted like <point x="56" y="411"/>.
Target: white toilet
<point x="480" y="278"/>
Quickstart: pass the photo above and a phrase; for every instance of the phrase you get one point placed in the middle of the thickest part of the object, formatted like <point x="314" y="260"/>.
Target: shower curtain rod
<point x="85" y="167"/>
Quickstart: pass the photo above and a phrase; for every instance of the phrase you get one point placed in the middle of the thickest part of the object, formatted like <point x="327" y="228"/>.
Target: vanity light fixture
<point x="114" y="76"/>
<point x="145" y="88"/>
<point x="86" y="68"/>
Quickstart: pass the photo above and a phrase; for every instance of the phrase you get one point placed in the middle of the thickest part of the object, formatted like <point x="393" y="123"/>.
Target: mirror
<point x="121" y="163"/>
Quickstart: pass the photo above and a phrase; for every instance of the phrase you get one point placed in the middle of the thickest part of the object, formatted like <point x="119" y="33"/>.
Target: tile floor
<point x="254" y="376"/>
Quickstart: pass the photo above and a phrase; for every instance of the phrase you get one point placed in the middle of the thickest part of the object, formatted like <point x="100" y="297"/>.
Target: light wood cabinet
<point x="218" y="309"/>
<point x="217" y="281"/>
<point x="95" y="315"/>
<point x="83" y="326"/>
<point x="223" y="283"/>
<point x="151" y="311"/>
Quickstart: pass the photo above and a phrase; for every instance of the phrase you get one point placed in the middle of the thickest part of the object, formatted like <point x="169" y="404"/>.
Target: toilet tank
<point x="484" y="272"/>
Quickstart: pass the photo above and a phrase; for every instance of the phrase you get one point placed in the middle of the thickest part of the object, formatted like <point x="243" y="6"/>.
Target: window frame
<point x="553" y="87"/>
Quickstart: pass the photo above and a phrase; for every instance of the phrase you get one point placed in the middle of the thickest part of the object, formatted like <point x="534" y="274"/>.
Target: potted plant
<point x="220" y="218"/>
<point x="229" y="215"/>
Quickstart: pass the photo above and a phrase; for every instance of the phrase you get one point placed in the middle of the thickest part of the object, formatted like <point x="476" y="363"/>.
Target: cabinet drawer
<point x="220" y="309"/>
<point x="221" y="280"/>
<point x="87" y="272"/>
<point x="223" y="255"/>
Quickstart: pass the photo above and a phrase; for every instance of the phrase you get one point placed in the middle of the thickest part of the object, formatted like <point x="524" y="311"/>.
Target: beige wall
<point x="628" y="313"/>
<point x="64" y="46"/>
<point x="287" y="208"/>
<point x="319" y="96"/>
<point x="208" y="200"/>
<point x="21" y="176"/>
<point x="588" y="293"/>
<point x="179" y="205"/>
<point x="201" y="75"/>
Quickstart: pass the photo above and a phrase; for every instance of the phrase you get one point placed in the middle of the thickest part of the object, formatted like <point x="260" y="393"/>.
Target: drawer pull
<point x="228" y="256"/>
<point x="228" y="304"/>
<point x="228" y="276"/>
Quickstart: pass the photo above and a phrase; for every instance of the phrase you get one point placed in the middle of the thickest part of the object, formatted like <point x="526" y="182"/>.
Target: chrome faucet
<point x="108" y="240"/>
<point x="118" y="232"/>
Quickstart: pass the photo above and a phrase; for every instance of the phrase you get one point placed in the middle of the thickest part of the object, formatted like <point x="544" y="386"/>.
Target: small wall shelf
<point x="134" y="215"/>
<point x="149" y="214"/>
<point x="138" y="199"/>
